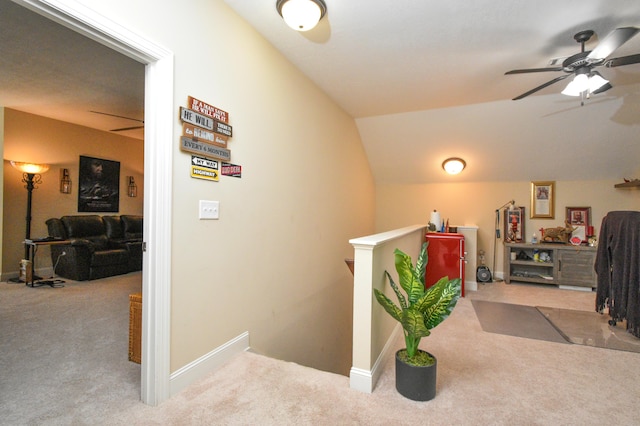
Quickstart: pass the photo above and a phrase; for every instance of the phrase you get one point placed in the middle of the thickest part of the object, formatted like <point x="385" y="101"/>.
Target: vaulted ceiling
<point x="424" y="81"/>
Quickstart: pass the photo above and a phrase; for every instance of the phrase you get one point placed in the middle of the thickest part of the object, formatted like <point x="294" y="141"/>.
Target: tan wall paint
<point x="273" y="264"/>
<point x="32" y="138"/>
<point x="1" y="186"/>
<point x="476" y="203"/>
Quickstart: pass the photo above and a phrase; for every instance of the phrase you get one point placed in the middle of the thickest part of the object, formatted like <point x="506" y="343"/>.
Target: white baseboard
<point x="575" y="288"/>
<point x="470" y="286"/>
<point x="208" y="363"/>
<point x="365" y="380"/>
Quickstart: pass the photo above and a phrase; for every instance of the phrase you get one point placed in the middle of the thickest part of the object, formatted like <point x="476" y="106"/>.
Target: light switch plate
<point x="209" y="209"/>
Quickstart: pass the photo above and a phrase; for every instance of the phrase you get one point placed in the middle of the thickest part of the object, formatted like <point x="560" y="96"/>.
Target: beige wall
<point x="273" y="264"/>
<point x="31" y="138"/>
<point x="1" y="186"/>
<point x="476" y="203"/>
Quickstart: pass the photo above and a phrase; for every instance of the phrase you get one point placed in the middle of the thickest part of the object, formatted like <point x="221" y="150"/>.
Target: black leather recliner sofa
<point x="98" y="246"/>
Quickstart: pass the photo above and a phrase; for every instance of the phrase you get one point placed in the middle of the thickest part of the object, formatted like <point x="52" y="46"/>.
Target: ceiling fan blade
<point x="122" y="129"/>
<point x="554" y="61"/>
<point x="118" y="116"/>
<point x="542" y="86"/>
<point x="528" y="70"/>
<point x="604" y="88"/>
<point x="623" y="60"/>
<point x="611" y="42"/>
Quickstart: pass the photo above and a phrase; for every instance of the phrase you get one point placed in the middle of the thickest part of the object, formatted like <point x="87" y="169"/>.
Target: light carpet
<point x="483" y="378"/>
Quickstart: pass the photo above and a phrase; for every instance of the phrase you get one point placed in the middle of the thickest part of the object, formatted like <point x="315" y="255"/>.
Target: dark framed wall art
<point x="99" y="189"/>
<point x="514" y="225"/>
<point x="579" y="218"/>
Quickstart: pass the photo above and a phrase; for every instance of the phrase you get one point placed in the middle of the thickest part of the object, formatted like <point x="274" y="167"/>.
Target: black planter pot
<point x="414" y="382"/>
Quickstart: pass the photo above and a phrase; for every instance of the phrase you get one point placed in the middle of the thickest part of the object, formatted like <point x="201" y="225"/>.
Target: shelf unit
<point x="632" y="184"/>
<point x="568" y="265"/>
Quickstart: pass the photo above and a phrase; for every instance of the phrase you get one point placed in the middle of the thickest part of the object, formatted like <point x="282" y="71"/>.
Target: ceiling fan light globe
<point x="596" y="82"/>
<point x="572" y="89"/>
<point x="582" y="82"/>
<point x="301" y="15"/>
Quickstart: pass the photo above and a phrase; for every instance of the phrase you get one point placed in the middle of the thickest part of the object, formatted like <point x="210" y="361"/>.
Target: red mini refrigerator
<point x="446" y="257"/>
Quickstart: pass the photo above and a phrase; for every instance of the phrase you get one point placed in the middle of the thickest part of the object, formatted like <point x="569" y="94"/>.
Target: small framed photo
<point x="580" y="218"/>
<point x="542" y="200"/>
<point x="514" y="225"/>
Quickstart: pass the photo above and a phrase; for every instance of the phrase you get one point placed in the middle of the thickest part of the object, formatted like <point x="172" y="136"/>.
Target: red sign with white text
<point x="208" y="110"/>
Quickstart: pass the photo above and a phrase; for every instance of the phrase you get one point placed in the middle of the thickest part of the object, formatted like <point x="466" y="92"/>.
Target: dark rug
<point x="515" y="320"/>
<point x="554" y="325"/>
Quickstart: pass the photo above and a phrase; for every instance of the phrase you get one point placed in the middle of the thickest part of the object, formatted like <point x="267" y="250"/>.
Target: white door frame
<point x="158" y="136"/>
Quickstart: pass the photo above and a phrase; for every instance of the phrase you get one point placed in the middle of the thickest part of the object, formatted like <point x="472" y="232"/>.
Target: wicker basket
<point x="135" y="327"/>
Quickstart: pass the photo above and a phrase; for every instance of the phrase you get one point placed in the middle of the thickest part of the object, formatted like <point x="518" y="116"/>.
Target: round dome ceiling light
<point x="454" y="165"/>
<point x="301" y="15"/>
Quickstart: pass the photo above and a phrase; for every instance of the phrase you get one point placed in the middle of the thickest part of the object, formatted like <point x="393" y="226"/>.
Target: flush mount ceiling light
<point x="453" y="166"/>
<point x="301" y="15"/>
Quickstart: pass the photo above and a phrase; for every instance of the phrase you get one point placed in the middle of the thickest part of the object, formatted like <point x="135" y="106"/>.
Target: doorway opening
<point x="158" y="106"/>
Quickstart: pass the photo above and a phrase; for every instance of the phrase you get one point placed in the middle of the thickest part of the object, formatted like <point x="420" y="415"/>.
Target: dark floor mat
<point x="515" y="320"/>
<point x="591" y="329"/>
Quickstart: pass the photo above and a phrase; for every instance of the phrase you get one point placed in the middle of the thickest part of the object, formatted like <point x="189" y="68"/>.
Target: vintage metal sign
<point x="222" y="128"/>
<point x="232" y="170"/>
<point x="205" y="149"/>
<point x="204" y="162"/>
<point x="196" y="119"/>
<point x="208" y="110"/>
<point x="203" y="135"/>
<point x="204" y="173"/>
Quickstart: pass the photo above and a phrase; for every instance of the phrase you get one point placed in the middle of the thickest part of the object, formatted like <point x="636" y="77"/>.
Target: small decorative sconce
<point x="65" y="181"/>
<point x="132" y="188"/>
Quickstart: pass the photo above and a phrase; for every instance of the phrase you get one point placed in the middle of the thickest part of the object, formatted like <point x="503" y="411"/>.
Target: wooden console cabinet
<point x="568" y="265"/>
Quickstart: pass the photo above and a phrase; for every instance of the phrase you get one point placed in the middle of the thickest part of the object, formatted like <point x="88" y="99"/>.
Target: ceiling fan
<point x="122" y="129"/>
<point x="587" y="81"/>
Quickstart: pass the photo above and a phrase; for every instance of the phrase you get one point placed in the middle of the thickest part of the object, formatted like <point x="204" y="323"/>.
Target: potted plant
<point x="420" y="310"/>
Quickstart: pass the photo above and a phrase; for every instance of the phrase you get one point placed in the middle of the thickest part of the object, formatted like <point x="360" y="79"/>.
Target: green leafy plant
<point x="421" y="309"/>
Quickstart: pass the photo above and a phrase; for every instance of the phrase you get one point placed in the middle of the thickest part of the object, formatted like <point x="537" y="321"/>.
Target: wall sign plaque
<point x="194" y="132"/>
<point x="196" y="119"/>
<point x="222" y="128"/>
<point x="204" y="149"/>
<point x="208" y="110"/>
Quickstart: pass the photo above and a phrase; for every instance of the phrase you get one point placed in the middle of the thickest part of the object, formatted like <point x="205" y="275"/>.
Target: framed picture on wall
<point x="99" y="185"/>
<point x="579" y="218"/>
<point x="542" y="200"/>
<point x="514" y="225"/>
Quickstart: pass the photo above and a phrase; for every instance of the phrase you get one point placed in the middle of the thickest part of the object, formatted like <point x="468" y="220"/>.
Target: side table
<point x="33" y="245"/>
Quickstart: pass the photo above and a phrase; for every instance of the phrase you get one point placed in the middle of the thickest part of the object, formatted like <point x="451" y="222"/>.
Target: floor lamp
<point x="497" y="237"/>
<point x="31" y="177"/>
